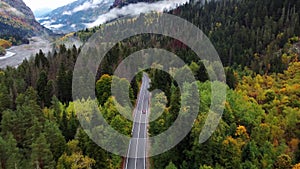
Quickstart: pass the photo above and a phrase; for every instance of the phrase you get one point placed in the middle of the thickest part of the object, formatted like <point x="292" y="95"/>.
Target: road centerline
<point x="138" y="130"/>
<point x="134" y="119"/>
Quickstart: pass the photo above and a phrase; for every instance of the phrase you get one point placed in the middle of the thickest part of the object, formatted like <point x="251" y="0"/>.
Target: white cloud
<point x="96" y="2"/>
<point x="87" y="5"/>
<point x="67" y="13"/>
<point x="43" y="18"/>
<point x="57" y="26"/>
<point x="136" y="9"/>
<point x="48" y="23"/>
<point x="84" y="6"/>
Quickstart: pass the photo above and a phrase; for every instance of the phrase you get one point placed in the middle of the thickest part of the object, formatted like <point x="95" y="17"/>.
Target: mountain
<point x="75" y="16"/>
<point x="21" y="7"/>
<point x="17" y="21"/>
<point x="130" y="8"/>
<point x="41" y="12"/>
<point x="121" y="3"/>
<point x="83" y="14"/>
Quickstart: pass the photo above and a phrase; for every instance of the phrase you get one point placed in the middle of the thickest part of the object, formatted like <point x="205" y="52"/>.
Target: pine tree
<point x="63" y="125"/>
<point x="41" y="156"/>
<point x="64" y="84"/>
<point x="42" y="88"/>
<point x="5" y="100"/>
<point x="171" y="166"/>
<point x="9" y="153"/>
<point x="50" y="91"/>
<point x="55" y="139"/>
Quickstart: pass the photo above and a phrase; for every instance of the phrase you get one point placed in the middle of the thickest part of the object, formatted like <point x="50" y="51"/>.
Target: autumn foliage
<point x="5" y="44"/>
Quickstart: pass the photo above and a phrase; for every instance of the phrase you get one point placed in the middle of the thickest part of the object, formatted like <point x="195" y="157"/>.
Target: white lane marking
<point x="147" y="121"/>
<point x="133" y="127"/>
<point x="145" y="133"/>
<point x="145" y="137"/>
<point x="128" y="154"/>
<point x="139" y="129"/>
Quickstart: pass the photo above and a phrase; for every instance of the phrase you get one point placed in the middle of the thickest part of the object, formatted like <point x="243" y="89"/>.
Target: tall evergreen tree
<point x="9" y="153"/>
<point x="41" y="155"/>
<point x="42" y="91"/>
<point x="55" y="138"/>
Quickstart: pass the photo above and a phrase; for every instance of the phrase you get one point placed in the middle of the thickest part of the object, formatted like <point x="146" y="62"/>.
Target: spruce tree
<point x="41" y="156"/>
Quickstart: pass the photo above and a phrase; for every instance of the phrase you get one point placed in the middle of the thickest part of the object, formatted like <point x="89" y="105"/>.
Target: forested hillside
<point x="258" y="42"/>
<point x="17" y="22"/>
<point x="247" y="32"/>
<point x="121" y="3"/>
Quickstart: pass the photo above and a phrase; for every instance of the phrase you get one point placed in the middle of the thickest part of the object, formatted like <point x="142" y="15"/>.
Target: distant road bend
<point x="137" y="150"/>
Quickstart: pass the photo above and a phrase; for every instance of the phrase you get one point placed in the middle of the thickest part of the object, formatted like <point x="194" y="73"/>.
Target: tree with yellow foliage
<point x="5" y="44"/>
<point x="74" y="159"/>
<point x="297" y="166"/>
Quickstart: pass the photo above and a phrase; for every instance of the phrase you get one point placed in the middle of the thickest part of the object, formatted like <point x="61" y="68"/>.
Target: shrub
<point x="2" y="51"/>
<point x="5" y="44"/>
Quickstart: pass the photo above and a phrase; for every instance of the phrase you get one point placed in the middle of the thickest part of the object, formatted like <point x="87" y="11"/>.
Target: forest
<point x="258" y="42"/>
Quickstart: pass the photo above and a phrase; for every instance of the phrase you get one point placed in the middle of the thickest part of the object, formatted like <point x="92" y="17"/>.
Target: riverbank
<point x="7" y="55"/>
<point x="16" y="54"/>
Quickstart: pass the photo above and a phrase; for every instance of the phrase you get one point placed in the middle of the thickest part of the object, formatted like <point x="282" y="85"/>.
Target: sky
<point x="46" y="4"/>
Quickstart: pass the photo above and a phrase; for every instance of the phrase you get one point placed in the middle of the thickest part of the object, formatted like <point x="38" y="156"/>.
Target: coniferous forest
<point x="258" y="43"/>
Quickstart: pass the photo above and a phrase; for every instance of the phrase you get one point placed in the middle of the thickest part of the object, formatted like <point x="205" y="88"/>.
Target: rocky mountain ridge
<point x="17" y="21"/>
<point x="75" y="16"/>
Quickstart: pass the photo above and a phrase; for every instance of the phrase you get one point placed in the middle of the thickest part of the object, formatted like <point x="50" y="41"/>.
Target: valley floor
<point x="16" y="54"/>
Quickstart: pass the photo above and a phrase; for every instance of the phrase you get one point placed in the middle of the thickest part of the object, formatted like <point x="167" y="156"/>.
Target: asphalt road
<point x="137" y="149"/>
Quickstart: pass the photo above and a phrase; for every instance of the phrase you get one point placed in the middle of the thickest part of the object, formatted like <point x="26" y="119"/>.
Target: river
<point x="16" y="54"/>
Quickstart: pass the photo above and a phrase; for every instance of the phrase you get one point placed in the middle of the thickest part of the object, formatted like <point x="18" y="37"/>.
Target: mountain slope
<point x="121" y="3"/>
<point x="17" y="20"/>
<point x="74" y="16"/>
<point x="20" y="6"/>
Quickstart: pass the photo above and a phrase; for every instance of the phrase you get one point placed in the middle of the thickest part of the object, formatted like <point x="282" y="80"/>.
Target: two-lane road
<point x="137" y="150"/>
